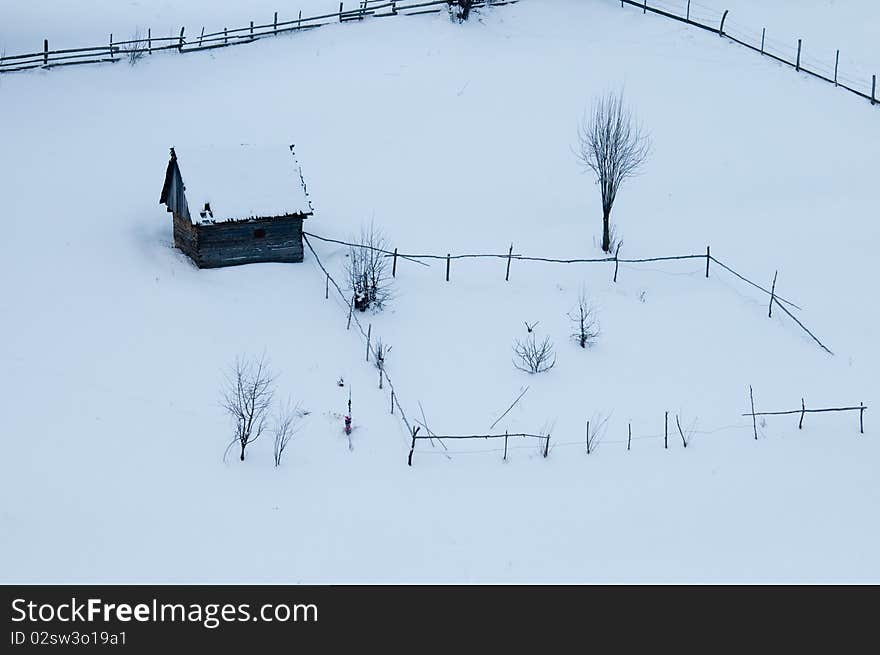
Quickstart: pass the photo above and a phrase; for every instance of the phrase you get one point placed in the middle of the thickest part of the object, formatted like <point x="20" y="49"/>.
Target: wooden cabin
<point x="237" y="204"/>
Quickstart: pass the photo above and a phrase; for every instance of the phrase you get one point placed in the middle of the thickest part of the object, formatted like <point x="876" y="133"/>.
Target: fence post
<point x="772" y="295"/>
<point x="275" y="23"/>
<point x="666" y="431"/>
<point x="861" y="417"/>
<point x="45" y="52"/>
<point x="874" y="89"/>
<point x="394" y="264"/>
<point x="708" y="258"/>
<point x="645" y="7"/>
<point x="754" y="419"/>
<point x="797" y="65"/>
<point x="225" y="36"/>
<point x="180" y="44"/>
<point x="616" y="261"/>
<point x="836" y="66"/>
<point x="201" y="36"/>
<point x="689" y="11"/>
<point x="447" y="267"/>
<point x="111" y="44"/>
<point x="369" y="333"/>
<point x="505" y="445"/>
<point x="327" y="287"/>
<point x="509" y="256"/>
<point x="763" y="35"/>
<point x="350" y="310"/>
<point x="340" y="12"/>
<point x="803" y="411"/>
<point x="392" y="402"/>
<point x="723" y="18"/>
<point x="547" y="446"/>
<point x="588" y="437"/>
<point x="252" y="30"/>
<point x="629" y="437"/>
<point x="299" y="20"/>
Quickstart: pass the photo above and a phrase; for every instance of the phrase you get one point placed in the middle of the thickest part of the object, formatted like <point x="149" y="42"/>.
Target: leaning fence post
<point x="763" y="35"/>
<point x="350" y="310"/>
<point x="708" y="257"/>
<point x="617" y="261"/>
<point x="180" y="44"/>
<point x="688" y="16"/>
<point x="447" y="267"/>
<point x="299" y="20"/>
<point x="394" y="264"/>
<point x="797" y="65"/>
<point x="509" y="256"/>
<point x="547" y="446"/>
<point x="772" y="295"/>
<point x="369" y="333"/>
<point x="45" y="52"/>
<point x="754" y="419"/>
<point x="836" y="66"/>
<point x="201" y="36"/>
<point x="412" y="446"/>
<point x="723" y="18"/>
<point x="340" y="12"/>
<point x="803" y="411"/>
<point x="874" y="89"/>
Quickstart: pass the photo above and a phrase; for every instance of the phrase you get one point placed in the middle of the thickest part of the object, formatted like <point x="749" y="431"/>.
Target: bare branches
<point x="583" y="318"/>
<point x="246" y="397"/>
<point x="367" y="270"/>
<point x="614" y="146"/>
<point x="135" y="49"/>
<point x="534" y="357"/>
<point x="285" y="426"/>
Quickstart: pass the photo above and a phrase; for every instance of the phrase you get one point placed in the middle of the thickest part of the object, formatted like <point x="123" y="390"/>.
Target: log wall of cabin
<point x="229" y="244"/>
<point x="186" y="237"/>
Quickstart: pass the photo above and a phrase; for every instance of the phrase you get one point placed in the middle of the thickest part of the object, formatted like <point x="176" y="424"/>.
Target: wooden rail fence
<point x="116" y="50"/>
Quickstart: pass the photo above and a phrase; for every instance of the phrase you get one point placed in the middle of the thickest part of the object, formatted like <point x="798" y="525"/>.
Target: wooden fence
<point x="593" y="436"/>
<point x="774" y="299"/>
<point x="133" y="49"/>
<point x="696" y="15"/>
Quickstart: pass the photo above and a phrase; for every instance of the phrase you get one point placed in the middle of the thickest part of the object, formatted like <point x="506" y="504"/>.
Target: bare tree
<point x="584" y="321"/>
<point x="367" y="269"/>
<point x="613" y="145"/>
<point x="246" y="397"/>
<point x="534" y="357"/>
<point x="285" y="427"/>
<point x="136" y="49"/>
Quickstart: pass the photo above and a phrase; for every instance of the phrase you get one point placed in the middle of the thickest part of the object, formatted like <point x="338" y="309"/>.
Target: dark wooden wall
<point x="233" y="243"/>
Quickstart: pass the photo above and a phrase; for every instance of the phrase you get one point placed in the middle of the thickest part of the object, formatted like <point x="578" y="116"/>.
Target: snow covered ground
<point x="453" y="138"/>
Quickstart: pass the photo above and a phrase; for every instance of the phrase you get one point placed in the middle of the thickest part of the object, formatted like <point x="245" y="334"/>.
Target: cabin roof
<point x="241" y="181"/>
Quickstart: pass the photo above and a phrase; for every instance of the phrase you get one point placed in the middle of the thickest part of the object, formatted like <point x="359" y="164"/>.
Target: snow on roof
<point x="242" y="181"/>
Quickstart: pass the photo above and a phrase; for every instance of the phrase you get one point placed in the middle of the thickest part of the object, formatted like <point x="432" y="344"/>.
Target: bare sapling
<point x="247" y="396"/>
<point x="367" y="270"/>
<point x="614" y="146"/>
<point x="136" y="49"/>
<point x="584" y="322"/>
<point x="285" y="426"/>
<point x="533" y="356"/>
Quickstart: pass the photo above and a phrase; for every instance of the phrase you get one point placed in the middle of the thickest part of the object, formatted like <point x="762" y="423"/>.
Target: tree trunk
<point x="606" y="230"/>
<point x="242" y="452"/>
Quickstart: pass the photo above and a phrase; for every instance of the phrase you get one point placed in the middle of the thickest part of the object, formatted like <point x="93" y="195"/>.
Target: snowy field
<point x="452" y="138"/>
